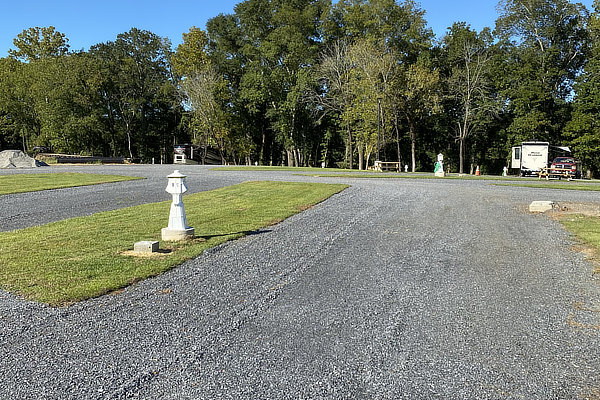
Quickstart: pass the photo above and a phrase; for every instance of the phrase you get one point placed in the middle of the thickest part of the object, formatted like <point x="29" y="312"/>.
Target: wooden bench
<point x="553" y="172"/>
<point x="387" y="166"/>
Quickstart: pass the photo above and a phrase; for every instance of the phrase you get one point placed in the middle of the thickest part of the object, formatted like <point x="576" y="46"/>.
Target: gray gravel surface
<point x="36" y="208"/>
<point x="392" y="289"/>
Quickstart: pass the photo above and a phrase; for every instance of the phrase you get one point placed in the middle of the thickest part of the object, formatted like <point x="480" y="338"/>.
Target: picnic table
<point x="387" y="166"/>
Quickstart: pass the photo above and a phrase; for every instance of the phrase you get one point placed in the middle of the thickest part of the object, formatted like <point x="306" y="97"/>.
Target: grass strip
<point x="269" y="168"/>
<point x="394" y="175"/>
<point x="21" y="183"/>
<point x="79" y="258"/>
<point x="587" y="230"/>
<point x="555" y="185"/>
<point x="353" y="173"/>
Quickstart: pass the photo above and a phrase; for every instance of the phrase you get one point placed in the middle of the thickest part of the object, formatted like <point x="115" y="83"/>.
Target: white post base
<point x="176" y="234"/>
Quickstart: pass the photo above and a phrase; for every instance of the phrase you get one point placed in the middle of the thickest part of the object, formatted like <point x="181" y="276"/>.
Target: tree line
<point x="306" y="82"/>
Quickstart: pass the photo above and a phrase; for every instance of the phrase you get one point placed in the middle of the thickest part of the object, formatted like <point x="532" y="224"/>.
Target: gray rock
<point x="18" y="159"/>
<point x="541" y="206"/>
<point x="146" y="246"/>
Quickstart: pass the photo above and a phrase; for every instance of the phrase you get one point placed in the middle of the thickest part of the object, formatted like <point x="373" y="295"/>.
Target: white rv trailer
<point x="531" y="157"/>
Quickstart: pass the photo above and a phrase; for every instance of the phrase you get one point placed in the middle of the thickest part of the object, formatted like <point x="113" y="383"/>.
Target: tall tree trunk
<point x="382" y="139"/>
<point x="472" y="164"/>
<point x="292" y="131"/>
<point x="349" y="146"/>
<point x="462" y="135"/>
<point x="261" y="154"/>
<point x="397" y="138"/>
<point x="24" y="141"/>
<point x="129" y="141"/>
<point x="290" y="158"/>
<point x="460" y="155"/>
<point x="113" y="141"/>
<point x="361" y="156"/>
<point x="413" y="141"/>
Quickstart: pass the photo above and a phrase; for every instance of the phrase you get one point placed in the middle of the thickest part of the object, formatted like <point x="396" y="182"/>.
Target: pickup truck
<point x="564" y="167"/>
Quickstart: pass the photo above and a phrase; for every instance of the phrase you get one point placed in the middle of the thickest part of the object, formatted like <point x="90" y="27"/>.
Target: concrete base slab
<point x="146" y="246"/>
<point x="440" y="174"/>
<point x="177" y="234"/>
<point x="541" y="206"/>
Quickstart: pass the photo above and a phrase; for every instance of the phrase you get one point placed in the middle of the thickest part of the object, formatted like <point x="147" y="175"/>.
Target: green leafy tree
<point x="192" y="54"/>
<point x="17" y="103"/>
<point x="468" y="58"/>
<point x="583" y="131"/>
<point x="399" y="30"/>
<point x="288" y="49"/>
<point x="401" y="26"/>
<point x="334" y="93"/>
<point x="38" y="43"/>
<point x="372" y="74"/>
<point x="66" y="93"/>
<point x="544" y="43"/>
<point x="247" y="125"/>
<point x="203" y="92"/>
<point x="266" y="51"/>
<point x="417" y="95"/>
<point x="138" y="93"/>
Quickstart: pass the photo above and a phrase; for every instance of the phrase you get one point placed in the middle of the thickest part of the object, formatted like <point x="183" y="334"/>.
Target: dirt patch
<point x="159" y="253"/>
<point x="570" y="208"/>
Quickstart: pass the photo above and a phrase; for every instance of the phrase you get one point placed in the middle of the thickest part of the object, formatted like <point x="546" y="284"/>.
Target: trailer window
<point x="517" y="153"/>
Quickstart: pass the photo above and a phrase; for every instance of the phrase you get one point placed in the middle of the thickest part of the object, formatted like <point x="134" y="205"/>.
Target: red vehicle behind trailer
<point x="564" y="167"/>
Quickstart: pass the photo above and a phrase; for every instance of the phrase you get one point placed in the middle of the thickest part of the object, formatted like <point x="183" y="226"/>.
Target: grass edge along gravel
<point x="533" y="182"/>
<point x="565" y="185"/>
<point x="587" y="231"/>
<point x="22" y="183"/>
<point x="409" y="175"/>
<point x="277" y="168"/>
<point x="84" y="257"/>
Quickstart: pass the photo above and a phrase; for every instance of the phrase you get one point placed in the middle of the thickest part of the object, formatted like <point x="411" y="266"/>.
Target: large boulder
<point x="17" y="159"/>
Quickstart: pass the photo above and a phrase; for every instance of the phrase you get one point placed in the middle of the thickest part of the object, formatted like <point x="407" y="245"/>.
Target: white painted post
<point x="178" y="228"/>
<point x="440" y="166"/>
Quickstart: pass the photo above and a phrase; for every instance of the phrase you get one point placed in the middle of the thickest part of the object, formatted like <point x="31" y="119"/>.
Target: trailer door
<point x="516" y="157"/>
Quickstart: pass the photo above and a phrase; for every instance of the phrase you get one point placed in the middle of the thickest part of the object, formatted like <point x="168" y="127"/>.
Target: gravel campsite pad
<point x="392" y="289"/>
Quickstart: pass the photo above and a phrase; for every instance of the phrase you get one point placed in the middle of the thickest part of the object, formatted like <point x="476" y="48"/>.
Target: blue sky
<point x="88" y="22"/>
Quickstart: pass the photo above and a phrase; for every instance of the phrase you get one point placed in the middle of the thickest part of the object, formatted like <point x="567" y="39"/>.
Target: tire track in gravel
<point x="344" y="381"/>
<point x="283" y="269"/>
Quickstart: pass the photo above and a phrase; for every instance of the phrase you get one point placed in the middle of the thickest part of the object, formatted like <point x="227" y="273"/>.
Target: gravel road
<point x="392" y="289"/>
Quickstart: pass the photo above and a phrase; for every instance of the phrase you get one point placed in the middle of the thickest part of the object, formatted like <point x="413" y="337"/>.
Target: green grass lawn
<point x="268" y="168"/>
<point x="79" y="258"/>
<point x="564" y="185"/>
<point x="20" y="183"/>
<point x="409" y="175"/>
<point x="353" y="173"/>
<point x="350" y="173"/>
<point x="587" y="230"/>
